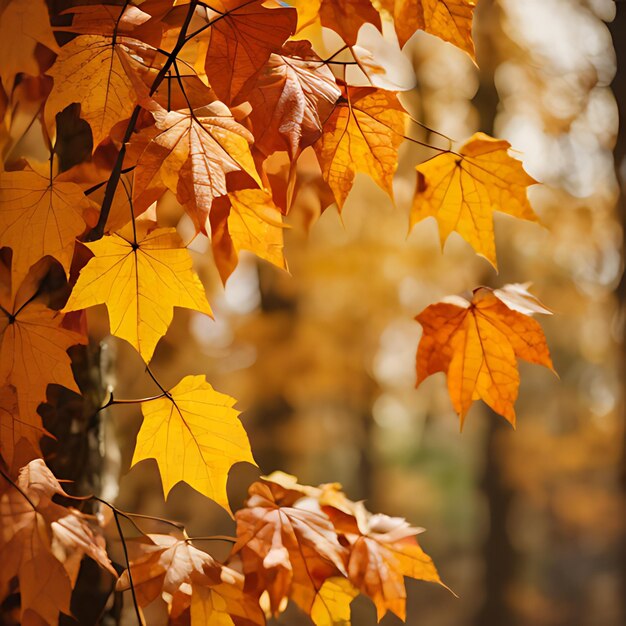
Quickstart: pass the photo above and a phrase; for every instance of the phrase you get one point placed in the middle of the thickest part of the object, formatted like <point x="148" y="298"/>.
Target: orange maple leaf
<point x="291" y="99"/>
<point x="451" y="20"/>
<point x="286" y="548"/>
<point x="188" y="578"/>
<point x="462" y="190"/>
<point x="246" y="219"/>
<point x="16" y="432"/>
<point x="33" y="354"/>
<point x="191" y="152"/>
<point x="383" y="550"/>
<point x="23" y="26"/>
<point x="362" y="134"/>
<point x="240" y="43"/>
<point x="476" y="344"/>
<point x="346" y="17"/>
<point x="42" y="543"/>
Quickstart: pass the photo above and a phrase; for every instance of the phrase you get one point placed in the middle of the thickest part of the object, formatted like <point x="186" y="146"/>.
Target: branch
<point x="98" y="231"/>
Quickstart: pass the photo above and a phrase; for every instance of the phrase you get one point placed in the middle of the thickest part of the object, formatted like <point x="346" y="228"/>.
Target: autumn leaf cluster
<point x="215" y="104"/>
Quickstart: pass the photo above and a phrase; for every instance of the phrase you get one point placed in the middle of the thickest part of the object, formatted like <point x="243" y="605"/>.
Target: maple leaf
<point x="291" y="98"/>
<point x="286" y="544"/>
<point x="140" y="276"/>
<point x="450" y="20"/>
<point x="332" y="603"/>
<point x="195" y="436"/>
<point x="104" y="19"/>
<point x="192" y="151"/>
<point x="39" y="217"/>
<point x="188" y="578"/>
<point x="15" y="431"/>
<point x="462" y="190"/>
<point x="363" y="134"/>
<point x="240" y="43"/>
<point x="346" y="17"/>
<point x="94" y="71"/>
<point x="477" y="344"/>
<point x="382" y="551"/>
<point x="33" y="354"/>
<point x="249" y="220"/>
<point x="42" y="543"/>
<point x="23" y="25"/>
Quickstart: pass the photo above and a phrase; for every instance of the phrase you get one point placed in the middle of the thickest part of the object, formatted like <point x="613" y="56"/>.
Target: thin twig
<point x="130" y="575"/>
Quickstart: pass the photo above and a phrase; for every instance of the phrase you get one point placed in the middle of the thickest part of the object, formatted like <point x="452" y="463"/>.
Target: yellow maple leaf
<point x="332" y="603"/>
<point x="141" y="281"/>
<point x="249" y="220"/>
<point x="95" y="72"/>
<point x="195" y="436"/>
<point x="477" y="345"/>
<point x="362" y="134"/>
<point x="462" y="190"/>
<point x="450" y="20"/>
<point x="39" y="217"/>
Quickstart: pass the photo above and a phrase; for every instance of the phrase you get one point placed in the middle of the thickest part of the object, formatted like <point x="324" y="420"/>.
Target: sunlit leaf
<point x="461" y="190"/>
<point x="451" y="20"/>
<point x="195" y="436"/>
<point x="361" y="135"/>
<point x="477" y="346"/>
<point x="140" y="280"/>
<point x="249" y="220"/>
<point x="95" y="72"/>
<point x="39" y="217"/>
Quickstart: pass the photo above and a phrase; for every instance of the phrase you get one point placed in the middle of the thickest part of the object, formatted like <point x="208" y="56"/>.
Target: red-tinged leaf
<point x="190" y="153"/>
<point x="241" y="42"/>
<point x="291" y="99"/>
<point x="286" y="547"/>
<point x="346" y="17"/>
<point x="185" y="577"/>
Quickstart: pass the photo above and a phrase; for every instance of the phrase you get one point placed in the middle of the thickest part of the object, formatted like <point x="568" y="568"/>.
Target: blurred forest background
<point x="526" y="526"/>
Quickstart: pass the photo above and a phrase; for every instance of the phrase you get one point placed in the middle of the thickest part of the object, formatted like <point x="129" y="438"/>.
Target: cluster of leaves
<point x="213" y="104"/>
<point x="310" y="545"/>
